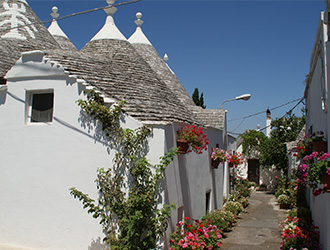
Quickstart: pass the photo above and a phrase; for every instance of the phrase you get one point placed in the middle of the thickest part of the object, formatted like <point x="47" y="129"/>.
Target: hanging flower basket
<point x="215" y="163"/>
<point x="326" y="182"/>
<point x="319" y="146"/>
<point x="183" y="146"/>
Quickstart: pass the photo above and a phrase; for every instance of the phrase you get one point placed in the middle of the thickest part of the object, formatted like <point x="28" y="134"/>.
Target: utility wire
<point x="73" y="14"/>
<point x="286" y="113"/>
<point x="262" y="112"/>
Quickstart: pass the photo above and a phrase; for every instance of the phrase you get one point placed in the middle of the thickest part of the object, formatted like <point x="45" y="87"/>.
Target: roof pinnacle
<point x="110" y="10"/>
<point x="138" y="22"/>
<point x="165" y="57"/>
<point x="54" y="14"/>
<point x="54" y="28"/>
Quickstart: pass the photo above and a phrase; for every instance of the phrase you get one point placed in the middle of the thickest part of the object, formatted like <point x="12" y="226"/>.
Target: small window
<point x="39" y="106"/>
<point x="42" y="107"/>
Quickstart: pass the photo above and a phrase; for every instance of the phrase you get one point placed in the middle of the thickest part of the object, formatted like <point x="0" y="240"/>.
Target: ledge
<point x="3" y="87"/>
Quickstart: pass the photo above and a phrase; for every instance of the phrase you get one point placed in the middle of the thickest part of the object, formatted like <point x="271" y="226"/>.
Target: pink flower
<point x="303" y="167"/>
<point x="328" y="171"/>
<point x="206" y="235"/>
<point x="185" y="245"/>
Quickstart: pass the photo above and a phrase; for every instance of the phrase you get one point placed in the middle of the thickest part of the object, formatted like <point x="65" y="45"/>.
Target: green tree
<point x="252" y="141"/>
<point x="273" y="150"/>
<point x="198" y="100"/>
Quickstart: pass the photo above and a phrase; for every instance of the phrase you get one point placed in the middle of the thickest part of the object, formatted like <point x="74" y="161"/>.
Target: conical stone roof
<point x="207" y="117"/>
<point x="31" y="34"/>
<point x="129" y="77"/>
<point x="59" y="35"/>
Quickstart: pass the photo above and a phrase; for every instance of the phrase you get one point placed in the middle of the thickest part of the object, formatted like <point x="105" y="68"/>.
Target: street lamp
<point x="244" y="97"/>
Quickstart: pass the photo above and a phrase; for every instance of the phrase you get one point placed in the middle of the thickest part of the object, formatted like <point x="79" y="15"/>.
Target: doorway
<point x="253" y="170"/>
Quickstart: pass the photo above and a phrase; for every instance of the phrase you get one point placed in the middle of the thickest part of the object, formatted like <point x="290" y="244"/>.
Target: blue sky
<point x="225" y="48"/>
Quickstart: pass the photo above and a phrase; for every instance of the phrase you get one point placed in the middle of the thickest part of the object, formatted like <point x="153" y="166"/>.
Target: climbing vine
<point x="129" y="190"/>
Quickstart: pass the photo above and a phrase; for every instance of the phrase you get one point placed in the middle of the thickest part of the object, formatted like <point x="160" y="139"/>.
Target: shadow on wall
<point x="97" y="245"/>
<point x="3" y="97"/>
<point x="268" y="177"/>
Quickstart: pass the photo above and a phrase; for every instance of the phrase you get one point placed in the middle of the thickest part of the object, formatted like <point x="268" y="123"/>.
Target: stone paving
<point x="257" y="228"/>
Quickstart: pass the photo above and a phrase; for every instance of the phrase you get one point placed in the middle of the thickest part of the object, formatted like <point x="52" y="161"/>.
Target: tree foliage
<point x="273" y="150"/>
<point x="129" y="190"/>
<point x="198" y="100"/>
<point x="252" y="140"/>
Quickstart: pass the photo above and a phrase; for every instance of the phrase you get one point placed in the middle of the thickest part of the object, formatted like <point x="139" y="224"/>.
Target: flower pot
<point x="326" y="180"/>
<point x="319" y="146"/>
<point x="284" y="206"/>
<point x="215" y="163"/>
<point x="183" y="146"/>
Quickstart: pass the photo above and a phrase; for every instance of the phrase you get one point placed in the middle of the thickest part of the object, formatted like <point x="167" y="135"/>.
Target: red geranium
<point x="194" y="136"/>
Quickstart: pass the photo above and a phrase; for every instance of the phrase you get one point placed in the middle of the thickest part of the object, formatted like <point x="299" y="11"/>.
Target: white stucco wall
<point x="317" y="119"/>
<point x="40" y="162"/>
<point x="320" y="207"/>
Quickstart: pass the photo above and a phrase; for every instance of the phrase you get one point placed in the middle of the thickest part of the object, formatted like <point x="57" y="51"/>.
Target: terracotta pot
<point x="326" y="180"/>
<point x="319" y="146"/>
<point x="183" y="146"/>
<point x="215" y="163"/>
<point x="284" y="206"/>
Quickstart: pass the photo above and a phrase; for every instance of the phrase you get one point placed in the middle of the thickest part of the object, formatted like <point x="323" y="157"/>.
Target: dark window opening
<point x="42" y="107"/>
<point x="3" y="81"/>
<point x="207" y="202"/>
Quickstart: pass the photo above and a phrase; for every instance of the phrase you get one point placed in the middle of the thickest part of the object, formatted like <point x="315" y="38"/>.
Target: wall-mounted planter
<point x="215" y="163"/>
<point x="183" y="146"/>
<point x="319" y="146"/>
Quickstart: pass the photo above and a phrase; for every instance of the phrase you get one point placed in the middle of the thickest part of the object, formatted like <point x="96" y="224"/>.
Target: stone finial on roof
<point x="165" y="57"/>
<point x="54" y="29"/>
<point x="138" y="36"/>
<point x="109" y="30"/>
<point x="138" y="22"/>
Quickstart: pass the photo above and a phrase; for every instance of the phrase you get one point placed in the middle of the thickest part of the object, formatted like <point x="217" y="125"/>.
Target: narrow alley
<point x="258" y="228"/>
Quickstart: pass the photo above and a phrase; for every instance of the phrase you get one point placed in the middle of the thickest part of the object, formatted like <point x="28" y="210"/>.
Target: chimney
<point x="268" y="122"/>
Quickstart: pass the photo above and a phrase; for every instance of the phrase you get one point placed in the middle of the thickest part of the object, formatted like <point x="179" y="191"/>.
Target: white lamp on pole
<point x="244" y="97"/>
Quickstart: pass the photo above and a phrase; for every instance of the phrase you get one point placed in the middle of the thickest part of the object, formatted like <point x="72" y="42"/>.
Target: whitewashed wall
<point x="40" y="162"/>
<point x="318" y="120"/>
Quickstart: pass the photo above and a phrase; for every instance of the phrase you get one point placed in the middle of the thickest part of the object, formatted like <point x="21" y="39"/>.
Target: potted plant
<point x="304" y="147"/>
<point x="317" y="171"/>
<point x="217" y="155"/>
<point x="318" y="142"/>
<point x="234" y="159"/>
<point x="193" y="136"/>
<point x="284" y="201"/>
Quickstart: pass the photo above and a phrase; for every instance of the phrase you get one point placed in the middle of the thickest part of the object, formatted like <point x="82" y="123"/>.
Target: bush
<point x="299" y="233"/>
<point x="234" y="207"/>
<point x="196" y="235"/>
<point x="224" y="220"/>
<point x="283" y="199"/>
<point x="244" y="202"/>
